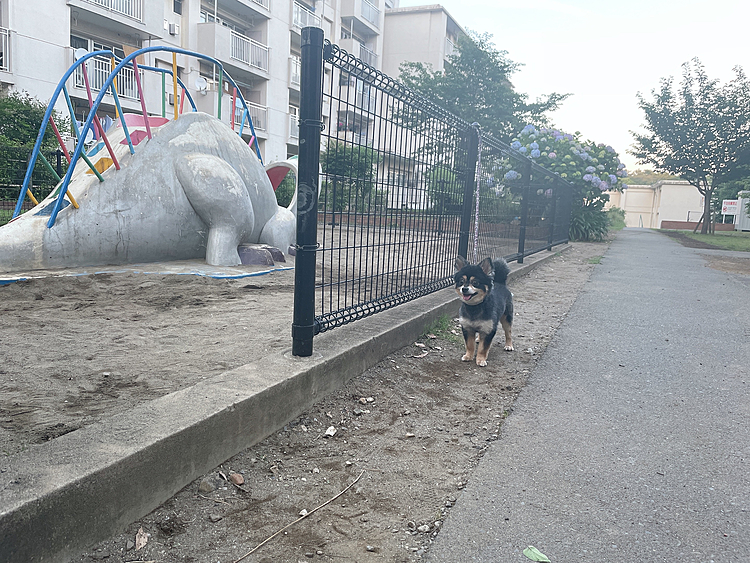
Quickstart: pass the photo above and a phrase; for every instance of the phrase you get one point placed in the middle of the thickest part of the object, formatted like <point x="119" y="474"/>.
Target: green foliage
<point x="476" y="86"/>
<point x="647" y="177"/>
<point x="592" y="169"/>
<point x="615" y="218"/>
<point x="700" y="133"/>
<point x="445" y="191"/>
<point x="350" y="177"/>
<point x="20" y="119"/>
<point x="285" y="191"/>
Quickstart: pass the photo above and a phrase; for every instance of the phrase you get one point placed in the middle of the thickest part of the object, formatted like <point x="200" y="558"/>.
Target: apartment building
<point x="256" y="41"/>
<point x="424" y="34"/>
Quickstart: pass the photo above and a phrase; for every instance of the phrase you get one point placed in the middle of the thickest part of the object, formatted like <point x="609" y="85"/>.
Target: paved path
<point x="631" y="442"/>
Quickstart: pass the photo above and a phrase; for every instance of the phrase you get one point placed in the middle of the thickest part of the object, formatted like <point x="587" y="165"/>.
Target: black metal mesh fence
<point x="13" y="164"/>
<point x="403" y="187"/>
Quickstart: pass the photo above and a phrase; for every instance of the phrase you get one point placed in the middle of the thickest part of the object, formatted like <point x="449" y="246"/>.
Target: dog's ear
<point x="460" y="263"/>
<point x="487" y="267"/>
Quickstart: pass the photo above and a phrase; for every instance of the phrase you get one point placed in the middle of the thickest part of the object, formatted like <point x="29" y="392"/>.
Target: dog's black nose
<point x="465" y="290"/>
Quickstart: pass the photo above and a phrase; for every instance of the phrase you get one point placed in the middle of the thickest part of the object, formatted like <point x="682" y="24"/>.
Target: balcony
<point x="130" y="8"/>
<point x="371" y="13"/>
<point x="354" y="47"/>
<point x="4" y="50"/>
<point x="302" y="17"/>
<point x="249" y="51"/>
<point x="265" y="3"/>
<point x="450" y="47"/>
<point x="230" y="47"/>
<point x="258" y="114"/>
<point x="361" y="17"/>
<point x="98" y="70"/>
<point x="295" y="71"/>
<point x="293" y="126"/>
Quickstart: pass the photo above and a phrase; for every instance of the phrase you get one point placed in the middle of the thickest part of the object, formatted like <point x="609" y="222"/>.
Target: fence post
<point x="472" y="154"/>
<point x="311" y="103"/>
<point x="524" y="211"/>
<point x="553" y="212"/>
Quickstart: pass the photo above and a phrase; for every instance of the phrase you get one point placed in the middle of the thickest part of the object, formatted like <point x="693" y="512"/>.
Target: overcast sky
<point x="605" y="51"/>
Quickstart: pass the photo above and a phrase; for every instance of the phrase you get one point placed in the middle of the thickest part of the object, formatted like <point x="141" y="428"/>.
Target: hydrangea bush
<point x="591" y="168"/>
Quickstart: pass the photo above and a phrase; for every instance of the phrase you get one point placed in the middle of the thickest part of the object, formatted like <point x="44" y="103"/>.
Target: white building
<point x="257" y="42"/>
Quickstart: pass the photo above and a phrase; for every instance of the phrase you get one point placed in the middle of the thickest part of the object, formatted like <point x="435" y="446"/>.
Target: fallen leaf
<point x="141" y="539"/>
<point x="422" y="355"/>
<point x="535" y="555"/>
<point x="420" y="345"/>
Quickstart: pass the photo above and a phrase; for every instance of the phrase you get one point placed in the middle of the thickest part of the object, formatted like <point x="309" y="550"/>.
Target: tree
<point x="593" y="169"/>
<point x="476" y="86"/>
<point x="21" y="116"/>
<point x="350" y="176"/>
<point x="700" y="133"/>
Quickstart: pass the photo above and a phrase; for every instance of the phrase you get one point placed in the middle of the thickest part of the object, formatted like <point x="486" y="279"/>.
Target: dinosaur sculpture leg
<point x="220" y="198"/>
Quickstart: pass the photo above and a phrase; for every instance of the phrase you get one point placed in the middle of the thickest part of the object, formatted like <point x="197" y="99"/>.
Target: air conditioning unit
<point x="174" y="29"/>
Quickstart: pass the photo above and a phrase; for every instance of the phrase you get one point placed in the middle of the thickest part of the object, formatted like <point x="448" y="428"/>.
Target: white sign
<point x="730" y="207"/>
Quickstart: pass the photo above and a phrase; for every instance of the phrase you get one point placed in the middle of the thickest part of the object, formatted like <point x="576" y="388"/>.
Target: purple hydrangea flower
<point x="612" y="179"/>
<point x="529" y="129"/>
<point x="515" y="145"/>
<point x="587" y="177"/>
<point x="596" y="181"/>
<point x="590" y="169"/>
<point x="535" y="153"/>
<point x="604" y="186"/>
<point x="620" y="166"/>
<point x="523" y="150"/>
<point x="534" y="145"/>
<point x="512" y="175"/>
<point x="552" y="155"/>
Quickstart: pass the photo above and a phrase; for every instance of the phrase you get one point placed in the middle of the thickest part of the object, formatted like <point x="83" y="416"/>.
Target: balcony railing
<point x="450" y="47"/>
<point x="130" y="8"/>
<point x="258" y="114"/>
<point x="368" y="56"/>
<point x="4" y="52"/>
<point x="302" y="17"/>
<point x="293" y="126"/>
<point x="98" y="71"/>
<point x="371" y="13"/>
<point x="295" y="70"/>
<point x="249" y="51"/>
<point x="264" y="3"/>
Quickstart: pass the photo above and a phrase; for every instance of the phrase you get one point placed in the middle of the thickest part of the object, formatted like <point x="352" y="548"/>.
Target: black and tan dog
<point x="487" y="301"/>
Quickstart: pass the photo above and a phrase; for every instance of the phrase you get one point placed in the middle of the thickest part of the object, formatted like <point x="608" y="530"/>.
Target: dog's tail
<point x="501" y="270"/>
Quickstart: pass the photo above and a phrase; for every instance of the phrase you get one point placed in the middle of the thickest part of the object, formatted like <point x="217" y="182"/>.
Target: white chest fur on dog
<point x="482" y="326"/>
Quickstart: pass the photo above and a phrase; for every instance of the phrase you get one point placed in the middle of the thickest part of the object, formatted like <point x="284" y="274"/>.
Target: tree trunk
<point x="706" y="212"/>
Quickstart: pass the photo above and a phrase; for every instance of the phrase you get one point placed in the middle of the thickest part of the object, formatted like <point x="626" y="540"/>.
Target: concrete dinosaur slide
<point x="195" y="189"/>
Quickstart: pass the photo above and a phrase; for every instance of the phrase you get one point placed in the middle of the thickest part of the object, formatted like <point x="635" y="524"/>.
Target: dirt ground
<point x="406" y="434"/>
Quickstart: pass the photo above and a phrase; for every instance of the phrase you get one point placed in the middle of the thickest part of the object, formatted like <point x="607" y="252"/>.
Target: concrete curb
<point x="58" y="498"/>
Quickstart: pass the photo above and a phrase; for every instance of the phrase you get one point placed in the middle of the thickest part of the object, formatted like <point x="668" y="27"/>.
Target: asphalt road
<point x="631" y="441"/>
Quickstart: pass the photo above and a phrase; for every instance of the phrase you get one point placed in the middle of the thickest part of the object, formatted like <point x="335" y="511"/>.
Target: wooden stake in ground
<point x="329" y="501"/>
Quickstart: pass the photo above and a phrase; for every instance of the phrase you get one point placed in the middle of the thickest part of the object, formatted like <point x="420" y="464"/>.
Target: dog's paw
<point x="509" y="348"/>
<point x="466" y="358"/>
<point x="481" y="363"/>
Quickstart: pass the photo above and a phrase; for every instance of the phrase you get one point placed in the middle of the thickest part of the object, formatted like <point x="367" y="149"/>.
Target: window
<point x="177" y="7"/>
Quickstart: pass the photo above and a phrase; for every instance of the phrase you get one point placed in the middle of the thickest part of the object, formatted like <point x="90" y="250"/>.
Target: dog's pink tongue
<point x="467" y="297"/>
